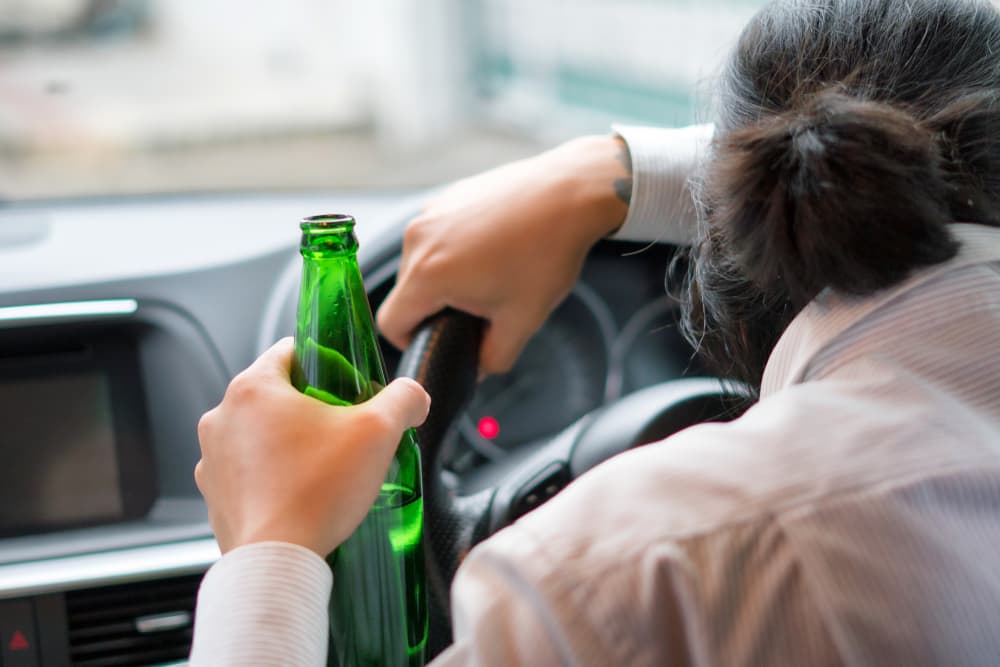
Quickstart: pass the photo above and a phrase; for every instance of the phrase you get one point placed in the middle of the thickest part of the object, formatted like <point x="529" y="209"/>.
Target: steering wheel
<point x="443" y="357"/>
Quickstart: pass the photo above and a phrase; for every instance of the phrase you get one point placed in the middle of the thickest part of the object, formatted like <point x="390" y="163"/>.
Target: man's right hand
<point x="508" y="245"/>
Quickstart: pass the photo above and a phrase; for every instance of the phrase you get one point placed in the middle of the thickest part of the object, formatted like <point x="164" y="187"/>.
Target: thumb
<point x="403" y="403"/>
<point x="276" y="361"/>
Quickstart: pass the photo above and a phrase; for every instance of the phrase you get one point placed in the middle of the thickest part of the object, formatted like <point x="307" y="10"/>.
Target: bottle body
<point x="378" y="609"/>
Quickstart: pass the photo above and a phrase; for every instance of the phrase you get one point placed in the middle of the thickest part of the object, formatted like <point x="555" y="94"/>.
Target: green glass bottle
<point x="378" y="610"/>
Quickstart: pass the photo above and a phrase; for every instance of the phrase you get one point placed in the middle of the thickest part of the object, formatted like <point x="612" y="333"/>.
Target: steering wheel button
<point x="542" y="486"/>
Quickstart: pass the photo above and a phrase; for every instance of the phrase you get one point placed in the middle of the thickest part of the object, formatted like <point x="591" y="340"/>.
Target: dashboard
<point x="122" y="321"/>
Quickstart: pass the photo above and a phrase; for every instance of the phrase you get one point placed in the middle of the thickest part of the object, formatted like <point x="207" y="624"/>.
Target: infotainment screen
<point x="59" y="452"/>
<point x="74" y="445"/>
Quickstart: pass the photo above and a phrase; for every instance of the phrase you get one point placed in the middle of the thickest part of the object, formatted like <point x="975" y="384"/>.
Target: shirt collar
<point x="829" y="315"/>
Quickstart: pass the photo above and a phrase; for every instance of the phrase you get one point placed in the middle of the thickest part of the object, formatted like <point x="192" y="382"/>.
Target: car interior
<point x="129" y="299"/>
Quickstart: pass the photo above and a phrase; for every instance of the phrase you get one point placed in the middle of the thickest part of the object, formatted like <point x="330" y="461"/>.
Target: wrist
<point x="597" y="173"/>
<point x="293" y="532"/>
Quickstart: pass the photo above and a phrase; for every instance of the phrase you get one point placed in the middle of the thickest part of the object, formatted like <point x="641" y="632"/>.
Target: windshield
<point x="106" y="97"/>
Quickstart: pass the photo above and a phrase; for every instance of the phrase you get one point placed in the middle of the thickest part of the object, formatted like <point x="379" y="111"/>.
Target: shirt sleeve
<point x="263" y="604"/>
<point x="662" y="207"/>
<point x="509" y="611"/>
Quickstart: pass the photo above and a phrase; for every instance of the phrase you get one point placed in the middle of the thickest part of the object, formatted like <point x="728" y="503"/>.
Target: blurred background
<point x="107" y="97"/>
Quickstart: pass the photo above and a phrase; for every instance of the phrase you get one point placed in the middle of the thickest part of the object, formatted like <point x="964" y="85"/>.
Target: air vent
<point x="143" y="623"/>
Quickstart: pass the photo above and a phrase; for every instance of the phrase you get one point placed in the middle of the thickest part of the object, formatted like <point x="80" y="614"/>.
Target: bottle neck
<point x="337" y="353"/>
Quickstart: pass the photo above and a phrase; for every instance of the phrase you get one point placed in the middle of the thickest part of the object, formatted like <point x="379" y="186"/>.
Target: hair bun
<point x="842" y="193"/>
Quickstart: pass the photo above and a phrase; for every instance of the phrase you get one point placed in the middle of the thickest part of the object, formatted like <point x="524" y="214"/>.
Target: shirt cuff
<point x="662" y="208"/>
<point x="263" y="604"/>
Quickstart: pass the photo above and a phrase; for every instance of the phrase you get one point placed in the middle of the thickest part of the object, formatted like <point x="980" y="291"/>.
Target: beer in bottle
<point x="378" y="609"/>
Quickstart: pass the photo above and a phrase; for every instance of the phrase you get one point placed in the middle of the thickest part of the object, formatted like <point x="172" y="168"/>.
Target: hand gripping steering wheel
<point x="443" y="357"/>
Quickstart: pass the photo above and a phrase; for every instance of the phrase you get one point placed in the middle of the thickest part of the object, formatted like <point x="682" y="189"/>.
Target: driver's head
<point x="849" y="133"/>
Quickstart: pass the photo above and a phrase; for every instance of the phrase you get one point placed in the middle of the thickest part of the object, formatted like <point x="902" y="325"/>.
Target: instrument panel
<point x="614" y="334"/>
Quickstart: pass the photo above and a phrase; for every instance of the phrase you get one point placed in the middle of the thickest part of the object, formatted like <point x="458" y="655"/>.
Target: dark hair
<point x="849" y="133"/>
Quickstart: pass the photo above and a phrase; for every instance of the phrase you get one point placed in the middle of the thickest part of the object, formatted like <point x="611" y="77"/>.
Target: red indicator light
<point x="489" y="428"/>
<point x="18" y="642"/>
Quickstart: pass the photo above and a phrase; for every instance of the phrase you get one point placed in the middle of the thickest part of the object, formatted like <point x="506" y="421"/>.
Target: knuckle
<point x="375" y="421"/>
<point x="415" y="230"/>
<point x="243" y="388"/>
<point x="431" y="270"/>
<point x="205" y="425"/>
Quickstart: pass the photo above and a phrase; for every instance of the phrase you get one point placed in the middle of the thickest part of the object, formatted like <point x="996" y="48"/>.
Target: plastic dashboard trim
<point x="58" y="575"/>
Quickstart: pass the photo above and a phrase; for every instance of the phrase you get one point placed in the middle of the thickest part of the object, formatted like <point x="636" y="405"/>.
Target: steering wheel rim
<point x="443" y="356"/>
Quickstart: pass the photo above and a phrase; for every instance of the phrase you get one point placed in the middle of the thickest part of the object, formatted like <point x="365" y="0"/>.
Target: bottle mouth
<point x="328" y="235"/>
<point x="327" y="222"/>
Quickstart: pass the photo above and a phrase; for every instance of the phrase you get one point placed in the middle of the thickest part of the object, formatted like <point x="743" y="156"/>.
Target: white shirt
<point x="851" y="516"/>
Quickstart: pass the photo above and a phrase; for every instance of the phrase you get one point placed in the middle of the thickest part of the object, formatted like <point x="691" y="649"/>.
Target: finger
<point x="502" y="345"/>
<point x="276" y="361"/>
<point x="402" y="404"/>
<point x="402" y="312"/>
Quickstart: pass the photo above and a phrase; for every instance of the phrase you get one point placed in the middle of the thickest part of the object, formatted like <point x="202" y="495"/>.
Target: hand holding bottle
<point x="508" y="245"/>
<point x="281" y="466"/>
